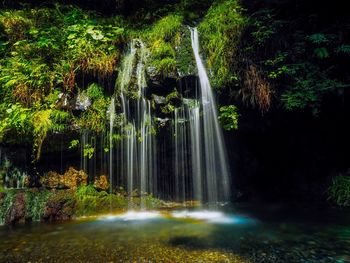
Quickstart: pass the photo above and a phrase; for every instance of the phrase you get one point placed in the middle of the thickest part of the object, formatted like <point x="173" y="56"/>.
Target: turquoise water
<point x="265" y="234"/>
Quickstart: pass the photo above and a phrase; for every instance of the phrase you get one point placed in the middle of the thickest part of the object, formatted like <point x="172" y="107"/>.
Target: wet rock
<point x="101" y="183"/>
<point x="159" y="99"/>
<point x="83" y="102"/>
<point x="17" y="211"/>
<point x="71" y="179"/>
<point x="162" y="122"/>
<point x="60" y="207"/>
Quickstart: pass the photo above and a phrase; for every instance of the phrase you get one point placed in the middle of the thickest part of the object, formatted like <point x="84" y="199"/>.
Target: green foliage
<point x="94" y="91"/>
<point x="228" y="116"/>
<point x="35" y="202"/>
<point x="184" y="55"/>
<point x="310" y="85"/>
<point x="15" y="118"/>
<point x="318" y="38"/>
<point x="85" y="190"/>
<point x="74" y="144"/>
<point x="265" y="26"/>
<point x="15" y="25"/>
<point x="92" y="47"/>
<point x="220" y="32"/>
<point x="339" y="191"/>
<point x="89" y="151"/>
<point x="163" y="38"/>
<point x="43" y="51"/>
<point x="321" y="52"/>
<point x="6" y="204"/>
<point x="343" y="49"/>
<point x="95" y="117"/>
<point x="26" y="81"/>
<point x="296" y="59"/>
<point x="60" y="120"/>
<point x="171" y="100"/>
<point x="92" y="202"/>
<point x="42" y="124"/>
<point x="166" y="28"/>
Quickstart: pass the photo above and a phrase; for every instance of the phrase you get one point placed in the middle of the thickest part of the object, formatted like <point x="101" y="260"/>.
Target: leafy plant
<point x="94" y="91"/>
<point x="343" y="49"/>
<point x="321" y="52"/>
<point x="339" y="191"/>
<point x="220" y="32"/>
<point x="309" y="87"/>
<point x="228" y="116"/>
<point x="35" y="202"/>
<point x="6" y="205"/>
<point x="74" y="144"/>
<point x="89" y="151"/>
<point x="318" y="38"/>
<point x="42" y="124"/>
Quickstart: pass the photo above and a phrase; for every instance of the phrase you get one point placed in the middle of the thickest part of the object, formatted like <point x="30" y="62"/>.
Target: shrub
<point x="339" y="191"/>
<point x="228" y="116"/>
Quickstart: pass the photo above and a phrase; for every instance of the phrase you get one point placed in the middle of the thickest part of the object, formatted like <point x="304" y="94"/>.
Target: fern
<point x="343" y="49"/>
<point x="321" y="52"/>
<point x="318" y="38"/>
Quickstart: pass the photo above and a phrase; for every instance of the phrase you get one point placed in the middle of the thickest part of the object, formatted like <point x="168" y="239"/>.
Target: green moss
<point x="165" y="67"/>
<point x="163" y="38"/>
<point x="92" y="202"/>
<point x="166" y="28"/>
<point x="184" y="55"/>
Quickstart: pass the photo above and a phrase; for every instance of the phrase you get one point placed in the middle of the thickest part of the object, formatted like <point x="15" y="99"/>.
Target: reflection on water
<point x="183" y="236"/>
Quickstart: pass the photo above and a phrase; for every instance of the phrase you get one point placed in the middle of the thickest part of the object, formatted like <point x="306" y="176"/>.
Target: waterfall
<point x="180" y="156"/>
<point x="136" y="151"/>
<point x="196" y="150"/>
<point x="111" y="148"/>
<point x="215" y="168"/>
<point x="193" y="163"/>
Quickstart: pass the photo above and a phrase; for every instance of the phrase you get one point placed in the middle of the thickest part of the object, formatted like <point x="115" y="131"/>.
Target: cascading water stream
<point x="136" y="147"/>
<point x="111" y="125"/>
<point x="215" y="166"/>
<point x="196" y="167"/>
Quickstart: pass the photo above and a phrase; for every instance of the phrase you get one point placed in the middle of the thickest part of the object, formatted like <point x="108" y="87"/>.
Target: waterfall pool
<point x="263" y="234"/>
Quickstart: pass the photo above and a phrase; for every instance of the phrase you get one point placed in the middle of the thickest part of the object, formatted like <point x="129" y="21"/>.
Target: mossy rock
<point x="60" y="206"/>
